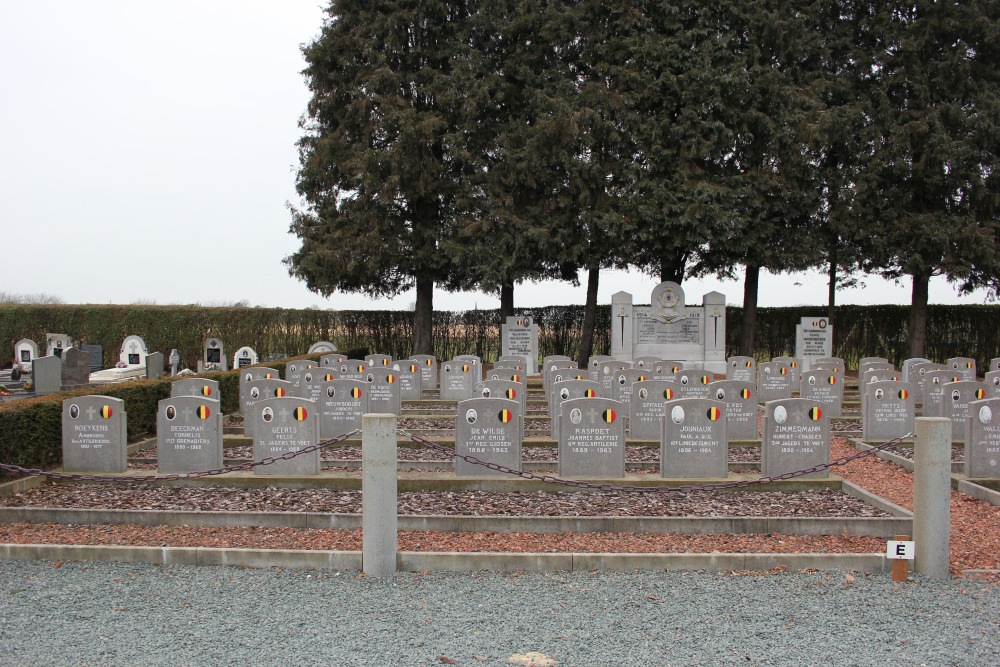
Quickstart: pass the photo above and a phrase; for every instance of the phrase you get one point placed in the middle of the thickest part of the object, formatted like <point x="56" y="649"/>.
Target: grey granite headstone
<point x="624" y="382"/>
<point x="870" y="363"/>
<point x="322" y="347"/>
<point x="286" y="425"/>
<point x="428" y="370"/>
<point x="383" y="391"/>
<point x="410" y="379"/>
<point x="342" y="406"/>
<point x="607" y="375"/>
<point x="310" y="382"/>
<point x="595" y="363"/>
<point x="693" y="383"/>
<point x="332" y="359"/>
<point x="154" y="365"/>
<point x="992" y="382"/>
<point x="889" y="411"/>
<point x="742" y="369"/>
<point x="908" y="365"/>
<point x="794" y="366"/>
<point x="646" y="362"/>
<point x="565" y="391"/>
<point x="490" y="430"/>
<point x="353" y="369"/>
<point x="933" y="390"/>
<point x="94" y="434"/>
<point x="378" y="361"/>
<point x="742" y="411"/>
<point x="957" y="397"/>
<point x="96" y="353"/>
<point x="202" y="387"/>
<point x="964" y="366"/>
<point x="994" y="364"/>
<point x="825" y="386"/>
<point x="666" y="370"/>
<point x="982" y="440"/>
<point x="46" y="375"/>
<point x="249" y="375"/>
<point x="796" y="436"/>
<point x="458" y="380"/>
<point x="506" y="389"/>
<point x="874" y="375"/>
<point x="550" y="368"/>
<point x="591" y="438"/>
<point x="75" y="368"/>
<point x="510" y="374"/>
<point x="646" y="408"/>
<point x="475" y="362"/>
<point x="774" y="381"/>
<point x="262" y="390"/>
<point x="295" y="370"/>
<point x="695" y="440"/>
<point x="188" y="434"/>
<point x="519" y="337"/>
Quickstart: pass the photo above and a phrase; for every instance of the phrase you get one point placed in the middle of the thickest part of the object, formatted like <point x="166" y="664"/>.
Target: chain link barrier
<point x="628" y="488"/>
<point x="134" y="479"/>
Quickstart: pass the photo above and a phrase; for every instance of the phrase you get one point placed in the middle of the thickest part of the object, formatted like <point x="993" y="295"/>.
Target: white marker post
<point x="900" y="550"/>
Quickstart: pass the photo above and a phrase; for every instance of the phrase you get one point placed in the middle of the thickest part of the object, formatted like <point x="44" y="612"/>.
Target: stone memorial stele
<point x="410" y="379"/>
<point x="286" y="425"/>
<point x="322" y="347"/>
<point x="519" y="337"/>
<point x="506" y="389"/>
<point x="693" y="383"/>
<point x="741" y="407"/>
<point x="25" y="352"/>
<point x="794" y="366"/>
<point x="795" y="436"/>
<point x="742" y="369"/>
<point x="46" y="375"/>
<point x="202" y="387"/>
<point x="774" y="381"/>
<point x="591" y="438"/>
<point x="488" y="429"/>
<point x="249" y="375"/>
<point x="245" y="356"/>
<point x="458" y="380"/>
<point x="96" y="353"/>
<point x="992" y="382"/>
<point x="957" y="397"/>
<point x="934" y="390"/>
<point x="343" y="404"/>
<point x="813" y="340"/>
<point x="964" y="366"/>
<point x="889" y="410"/>
<point x="475" y="362"/>
<point x="908" y="366"/>
<point x="94" y="434"/>
<point x="383" y="391"/>
<point x="213" y="356"/>
<point x="918" y="375"/>
<point x="352" y="369"/>
<point x="564" y="391"/>
<point x="428" y="370"/>
<point x="261" y="390"/>
<point x="594" y="363"/>
<point x="75" y="368"/>
<point x="873" y="375"/>
<point x="669" y="328"/>
<point x="154" y="365"/>
<point x="56" y="344"/>
<point x="645" y="410"/>
<point x="982" y="440"/>
<point x="188" y="434"/>
<point x="378" y="361"/>
<point x="825" y="386"/>
<point x="695" y="441"/>
<point x="332" y="359"/>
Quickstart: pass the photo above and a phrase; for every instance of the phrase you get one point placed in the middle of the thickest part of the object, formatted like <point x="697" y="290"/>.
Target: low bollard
<point x="932" y="496"/>
<point x="378" y="495"/>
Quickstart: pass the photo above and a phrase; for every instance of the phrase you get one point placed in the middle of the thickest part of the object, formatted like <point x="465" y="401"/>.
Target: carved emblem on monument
<point x="668" y="303"/>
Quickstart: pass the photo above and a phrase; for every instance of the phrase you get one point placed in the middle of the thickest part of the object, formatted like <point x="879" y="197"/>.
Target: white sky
<point x="147" y="152"/>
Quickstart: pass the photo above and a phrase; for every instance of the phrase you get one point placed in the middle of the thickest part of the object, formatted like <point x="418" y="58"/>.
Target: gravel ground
<point x="123" y="614"/>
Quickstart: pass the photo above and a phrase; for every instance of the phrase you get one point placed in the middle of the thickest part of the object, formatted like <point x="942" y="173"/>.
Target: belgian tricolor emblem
<point x="706" y="379"/>
<point x="267" y="376"/>
<point x="980" y="394"/>
<point x="413" y="368"/>
<point x="327" y="377"/>
<point x="300" y="414"/>
<point x="279" y="391"/>
<point x="390" y="378"/>
<point x="815" y="414"/>
<point x="429" y="362"/>
<point x="749" y="364"/>
<point x="511" y="394"/>
<point x="668" y="393"/>
<point x="641" y="378"/>
<point x="505" y="416"/>
<point x="832" y="379"/>
<point x="968" y="365"/>
<point x="106" y="412"/>
<point x="675" y="369"/>
<point x="465" y="368"/>
<point x="515" y="378"/>
<point x="609" y="416"/>
<point x="794" y="364"/>
<point x="784" y="371"/>
<point x="356" y="392"/>
<point x="385" y="362"/>
<point x="203" y="412"/>
<point x="590" y="393"/>
<point x="714" y="414"/>
<point x="903" y="394"/>
<point x="745" y="393"/>
<point x="206" y="390"/>
<point x="361" y="368"/>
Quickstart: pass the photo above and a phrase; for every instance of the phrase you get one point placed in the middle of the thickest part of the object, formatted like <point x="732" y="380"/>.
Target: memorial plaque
<point x="774" y="381"/>
<point x="591" y="438"/>
<point x="378" y="361"/>
<point x="964" y="366"/>
<point x="742" y="410"/>
<point x="490" y="430"/>
<point x="957" y="397"/>
<point x="796" y="436"/>
<point x="343" y="405"/>
<point x="813" y="341"/>
<point x="694" y="441"/>
<point x="94" y="435"/>
<point x="196" y="387"/>
<point x="992" y="382"/>
<point x="982" y="440"/>
<point x="519" y="337"/>
<point x="565" y="391"/>
<point x="245" y="356"/>
<point x="693" y="383"/>
<point x="889" y="410"/>
<point x="428" y="370"/>
<point x="458" y="380"/>
<point x="933" y="383"/>
<point x="742" y="369"/>
<point x="383" y="391"/>
<point x="410" y="379"/>
<point x="188" y="434"/>
<point x="825" y="386"/>
<point x="286" y="425"/>
<point x="646" y="408"/>
<point x="260" y="390"/>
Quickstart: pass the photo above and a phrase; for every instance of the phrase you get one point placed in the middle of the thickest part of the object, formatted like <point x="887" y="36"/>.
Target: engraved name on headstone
<point x="889" y="410"/>
<point x="825" y="386"/>
<point x="591" y="438"/>
<point x="694" y="441"/>
<point x="488" y="429"/>
<point x="957" y="397"/>
<point x="286" y="425"/>
<point x="796" y="436"/>
<point x="343" y="404"/>
<point x="188" y="434"/>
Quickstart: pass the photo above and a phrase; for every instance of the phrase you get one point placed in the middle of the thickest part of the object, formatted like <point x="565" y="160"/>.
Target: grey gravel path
<point x="120" y="614"/>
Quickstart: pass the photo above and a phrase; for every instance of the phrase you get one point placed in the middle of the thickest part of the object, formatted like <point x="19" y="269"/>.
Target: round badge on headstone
<point x="74" y="411"/>
<point x="780" y="414"/>
<point x="575" y="415"/>
<point x="878" y="394"/>
<point x="677" y="414"/>
<point x="720" y="395"/>
<point x="471" y="416"/>
<point x="170" y="412"/>
<point x="985" y="414"/>
<point x="267" y="414"/>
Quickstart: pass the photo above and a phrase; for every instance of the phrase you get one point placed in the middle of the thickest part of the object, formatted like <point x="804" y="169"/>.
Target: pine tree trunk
<point x="423" y="317"/>
<point x="589" y="318"/>
<point x="918" y="315"/>
<point x="748" y="333"/>
<point x="506" y="301"/>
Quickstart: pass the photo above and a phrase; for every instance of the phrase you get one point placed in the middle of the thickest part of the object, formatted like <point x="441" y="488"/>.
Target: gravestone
<point x="343" y="405"/>
<point x="75" y="368"/>
<point x="992" y="382"/>
<point x="25" y="352"/>
<point x="871" y="363"/>
<point x="646" y="363"/>
<point x="796" y="436"/>
<point x="813" y="340"/>
<point x="245" y="356"/>
<point x="794" y="366"/>
<point x="741" y="407"/>
<point x="188" y="434"/>
<point x="428" y="370"/>
<point x="873" y="375"/>
<point x="774" y="381"/>
<point x="742" y="369"/>
<point x="918" y="375"/>
<point x="96" y="353"/>
<point x="591" y="438"/>
<point x="519" y="337"/>
<point x="378" y="361"/>
<point x="154" y="365"/>
<point x="994" y="364"/>
<point x="982" y="440"/>
<point x="332" y="359"/>
<point x="383" y="391"/>
<point x="310" y="384"/>
<point x="213" y="356"/>
<point x="201" y="387"/>
<point x="408" y="372"/>
<point x="490" y="429"/>
<point x="565" y="391"/>
<point x="693" y="383"/>
<point x="551" y="367"/>
<point x="957" y="397"/>
<point x="623" y="386"/>
<point x="458" y="380"/>
<point x="666" y="370"/>
<point x="507" y="360"/>
<point x="506" y="389"/>
<point x="262" y="390"/>
<point x="296" y="370"/>
<point x="607" y="375"/>
<point x="46" y="375"/>
<point x="56" y="344"/>
<point x="476" y="365"/>
<point x="833" y="361"/>
<point x="826" y="387"/>
<point x="645" y="412"/>
<point x="352" y="369"/>
<point x="248" y="376"/>
<point x="511" y="374"/>
<point x="594" y="364"/>
<point x="908" y="365"/>
<point x="695" y="441"/>
<point x="322" y="347"/>
<point x="964" y="366"/>
<point x="934" y="390"/>
<point x="669" y="328"/>
<point x="286" y="425"/>
<point x="133" y="351"/>
<point x="94" y="434"/>
<point x="889" y="410"/>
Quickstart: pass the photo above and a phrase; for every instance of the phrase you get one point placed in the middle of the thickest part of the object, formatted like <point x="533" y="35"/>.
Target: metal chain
<point x="132" y="479"/>
<point x="718" y="486"/>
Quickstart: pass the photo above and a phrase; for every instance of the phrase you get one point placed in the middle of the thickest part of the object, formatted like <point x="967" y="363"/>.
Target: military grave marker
<point x="490" y="430"/>
<point x="284" y="425"/>
<point x="188" y="434"/>
<point x="741" y="407"/>
<point x="695" y="441"/>
<point x="796" y="436"/>
<point x="982" y="440"/>
<point x="343" y="404"/>
<point x="646" y="408"/>
<point x="591" y="438"/>
<point x="94" y="435"/>
<point x="890" y="408"/>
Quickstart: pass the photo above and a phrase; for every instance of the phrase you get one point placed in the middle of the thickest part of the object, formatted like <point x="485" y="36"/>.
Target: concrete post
<point x="932" y="496"/>
<point x="378" y="495"/>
